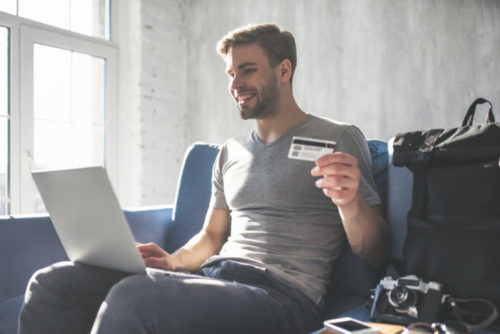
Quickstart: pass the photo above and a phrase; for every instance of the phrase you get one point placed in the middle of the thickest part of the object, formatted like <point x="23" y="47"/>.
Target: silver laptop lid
<point x="88" y="218"/>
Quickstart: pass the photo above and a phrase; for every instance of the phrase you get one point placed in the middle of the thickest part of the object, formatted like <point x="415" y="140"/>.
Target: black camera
<point x="406" y="300"/>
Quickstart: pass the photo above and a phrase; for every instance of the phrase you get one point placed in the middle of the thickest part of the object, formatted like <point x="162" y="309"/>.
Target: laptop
<point x="88" y="218"/>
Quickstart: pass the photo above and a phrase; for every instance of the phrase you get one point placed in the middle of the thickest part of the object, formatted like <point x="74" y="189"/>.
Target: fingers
<point x="341" y="177"/>
<point x="337" y="158"/>
<point x="157" y="262"/>
<point x="150" y="249"/>
<point x="337" y="182"/>
<point x="341" y="169"/>
<point x="154" y="256"/>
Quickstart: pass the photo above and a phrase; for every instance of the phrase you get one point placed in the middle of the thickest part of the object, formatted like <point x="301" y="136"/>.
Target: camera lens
<point x="402" y="298"/>
<point x="399" y="295"/>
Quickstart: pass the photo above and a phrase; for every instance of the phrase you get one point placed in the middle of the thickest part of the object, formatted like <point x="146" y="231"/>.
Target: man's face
<point x="252" y="82"/>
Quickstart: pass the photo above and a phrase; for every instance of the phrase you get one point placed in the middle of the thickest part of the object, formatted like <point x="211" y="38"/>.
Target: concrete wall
<point x="385" y="65"/>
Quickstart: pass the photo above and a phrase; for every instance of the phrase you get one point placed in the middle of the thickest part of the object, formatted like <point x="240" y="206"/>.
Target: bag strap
<point x="469" y="116"/>
<point x="460" y="311"/>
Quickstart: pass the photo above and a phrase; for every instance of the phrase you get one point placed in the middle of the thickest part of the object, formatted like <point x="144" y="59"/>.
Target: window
<point x="4" y="118"/>
<point x="68" y="106"/>
<point x="87" y="17"/>
<point x="8" y="6"/>
<point x="62" y="94"/>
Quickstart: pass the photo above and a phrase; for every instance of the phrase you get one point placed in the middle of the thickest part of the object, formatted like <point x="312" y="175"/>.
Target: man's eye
<point x="250" y="70"/>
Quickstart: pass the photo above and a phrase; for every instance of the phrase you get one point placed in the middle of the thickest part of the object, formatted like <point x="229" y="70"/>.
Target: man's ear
<point x="285" y="68"/>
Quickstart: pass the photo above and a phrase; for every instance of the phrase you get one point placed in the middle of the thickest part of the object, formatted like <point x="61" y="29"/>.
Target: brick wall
<point x="152" y="100"/>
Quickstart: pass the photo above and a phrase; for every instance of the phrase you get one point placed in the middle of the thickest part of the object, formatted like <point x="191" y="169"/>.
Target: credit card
<point x="310" y="149"/>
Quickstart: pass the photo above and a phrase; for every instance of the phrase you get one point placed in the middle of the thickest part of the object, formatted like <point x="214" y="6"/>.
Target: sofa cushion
<point x="9" y="313"/>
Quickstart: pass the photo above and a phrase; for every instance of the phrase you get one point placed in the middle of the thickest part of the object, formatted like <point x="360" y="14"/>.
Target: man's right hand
<point x="155" y="257"/>
<point x="197" y="250"/>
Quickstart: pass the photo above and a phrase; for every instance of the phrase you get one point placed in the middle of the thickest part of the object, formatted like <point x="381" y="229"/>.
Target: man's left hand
<point x="340" y="177"/>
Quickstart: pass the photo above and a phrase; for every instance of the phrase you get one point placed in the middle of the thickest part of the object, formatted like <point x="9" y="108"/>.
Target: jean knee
<point x="128" y="294"/>
<point x="48" y="277"/>
<point x="127" y="307"/>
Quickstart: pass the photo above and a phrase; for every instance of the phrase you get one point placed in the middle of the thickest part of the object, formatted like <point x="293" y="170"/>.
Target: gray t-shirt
<point x="279" y="219"/>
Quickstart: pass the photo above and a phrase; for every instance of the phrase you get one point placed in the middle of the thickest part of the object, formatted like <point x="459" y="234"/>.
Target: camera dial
<point x="404" y="300"/>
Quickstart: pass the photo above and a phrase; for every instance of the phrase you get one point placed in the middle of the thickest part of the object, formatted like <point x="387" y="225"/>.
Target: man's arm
<point x="366" y="230"/>
<point x="191" y="256"/>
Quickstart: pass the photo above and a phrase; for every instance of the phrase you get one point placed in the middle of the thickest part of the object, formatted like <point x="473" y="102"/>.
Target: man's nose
<point x="236" y="83"/>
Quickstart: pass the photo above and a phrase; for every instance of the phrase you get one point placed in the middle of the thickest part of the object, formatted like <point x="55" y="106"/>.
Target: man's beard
<point x="266" y="103"/>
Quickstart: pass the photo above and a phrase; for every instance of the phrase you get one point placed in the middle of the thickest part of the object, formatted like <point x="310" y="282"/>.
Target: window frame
<point x="23" y="34"/>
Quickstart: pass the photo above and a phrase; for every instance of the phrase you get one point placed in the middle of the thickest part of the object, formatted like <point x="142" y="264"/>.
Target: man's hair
<point x="277" y="44"/>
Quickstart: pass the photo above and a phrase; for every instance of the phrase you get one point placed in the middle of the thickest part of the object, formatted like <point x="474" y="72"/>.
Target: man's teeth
<point x="244" y="97"/>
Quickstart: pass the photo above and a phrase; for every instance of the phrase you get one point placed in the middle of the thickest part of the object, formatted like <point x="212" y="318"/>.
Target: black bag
<point x="454" y="222"/>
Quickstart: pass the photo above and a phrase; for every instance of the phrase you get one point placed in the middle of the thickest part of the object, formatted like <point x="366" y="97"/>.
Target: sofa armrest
<point x="26" y="245"/>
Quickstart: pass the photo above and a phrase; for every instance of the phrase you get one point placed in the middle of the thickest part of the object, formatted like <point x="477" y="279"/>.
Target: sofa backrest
<point x="193" y="194"/>
<point x="399" y="197"/>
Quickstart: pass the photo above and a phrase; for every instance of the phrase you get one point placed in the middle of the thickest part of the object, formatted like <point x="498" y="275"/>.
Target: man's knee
<point x="129" y="307"/>
<point x="131" y="293"/>
<point x="74" y="278"/>
<point x="49" y="277"/>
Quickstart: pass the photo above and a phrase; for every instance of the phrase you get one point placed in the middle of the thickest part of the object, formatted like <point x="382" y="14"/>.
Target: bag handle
<point x="457" y="305"/>
<point x="469" y="116"/>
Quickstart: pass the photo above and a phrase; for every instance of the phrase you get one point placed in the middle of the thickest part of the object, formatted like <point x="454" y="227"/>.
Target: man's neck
<point x="286" y="116"/>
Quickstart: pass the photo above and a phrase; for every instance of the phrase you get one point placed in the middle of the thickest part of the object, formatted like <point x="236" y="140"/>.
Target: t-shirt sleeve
<point x="218" y="198"/>
<point x="353" y="142"/>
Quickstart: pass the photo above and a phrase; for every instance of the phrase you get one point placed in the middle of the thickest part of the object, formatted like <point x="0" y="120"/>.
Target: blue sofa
<point x="30" y="243"/>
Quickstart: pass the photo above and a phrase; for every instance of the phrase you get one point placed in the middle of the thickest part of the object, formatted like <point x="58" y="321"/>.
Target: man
<point x="271" y="234"/>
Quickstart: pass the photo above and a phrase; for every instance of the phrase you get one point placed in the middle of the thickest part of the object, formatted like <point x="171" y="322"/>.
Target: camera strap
<point x="471" y="311"/>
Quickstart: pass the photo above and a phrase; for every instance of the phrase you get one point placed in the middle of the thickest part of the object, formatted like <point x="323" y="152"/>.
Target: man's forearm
<point x="191" y="256"/>
<point x="206" y="243"/>
<point x="366" y="230"/>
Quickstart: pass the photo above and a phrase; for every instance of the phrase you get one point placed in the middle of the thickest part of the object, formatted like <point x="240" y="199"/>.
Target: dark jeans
<point x="227" y="297"/>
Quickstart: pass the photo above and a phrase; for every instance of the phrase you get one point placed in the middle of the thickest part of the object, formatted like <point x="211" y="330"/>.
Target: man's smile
<point x="244" y="98"/>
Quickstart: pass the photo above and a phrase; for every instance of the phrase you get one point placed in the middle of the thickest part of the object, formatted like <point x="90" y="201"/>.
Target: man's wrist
<point x="351" y="209"/>
<point x="175" y="261"/>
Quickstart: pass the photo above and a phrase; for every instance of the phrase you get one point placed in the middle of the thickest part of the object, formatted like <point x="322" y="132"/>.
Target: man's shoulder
<point x="332" y="125"/>
<point x="327" y="120"/>
<point x="236" y="147"/>
<point x="238" y="140"/>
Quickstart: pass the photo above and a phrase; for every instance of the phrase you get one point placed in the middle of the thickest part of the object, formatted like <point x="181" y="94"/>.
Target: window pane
<point x="3" y="165"/>
<point x="53" y="12"/>
<point x="52" y="145"/>
<point x="8" y="6"/>
<point x="69" y="110"/>
<point x="52" y="150"/>
<point x="88" y="146"/>
<point x="4" y="120"/>
<point x="88" y="17"/>
<point x="4" y="65"/>
<point x="52" y="83"/>
<point x="88" y="89"/>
